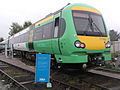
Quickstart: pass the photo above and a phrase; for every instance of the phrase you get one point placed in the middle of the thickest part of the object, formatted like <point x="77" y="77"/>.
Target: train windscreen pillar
<point x="42" y="73"/>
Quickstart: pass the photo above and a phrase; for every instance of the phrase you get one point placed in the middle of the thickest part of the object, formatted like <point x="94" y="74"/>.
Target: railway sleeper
<point x="23" y="77"/>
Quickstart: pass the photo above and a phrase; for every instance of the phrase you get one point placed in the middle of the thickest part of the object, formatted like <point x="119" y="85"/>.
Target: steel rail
<point x="107" y="69"/>
<point x="78" y="88"/>
<point x="96" y="85"/>
<point x="63" y="83"/>
<point x="17" y="67"/>
<point x="66" y="84"/>
<point x="16" y="82"/>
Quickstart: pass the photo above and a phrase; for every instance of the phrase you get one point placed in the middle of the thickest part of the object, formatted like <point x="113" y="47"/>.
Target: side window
<point x="51" y="28"/>
<point x="37" y="34"/>
<point x="22" y="38"/>
<point x="47" y="31"/>
<point x="56" y="27"/>
<point x="25" y="37"/>
<point x="43" y="32"/>
<point x="18" y="39"/>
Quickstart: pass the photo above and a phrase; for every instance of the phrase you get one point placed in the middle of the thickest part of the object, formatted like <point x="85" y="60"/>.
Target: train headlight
<point x="79" y="44"/>
<point x="108" y="44"/>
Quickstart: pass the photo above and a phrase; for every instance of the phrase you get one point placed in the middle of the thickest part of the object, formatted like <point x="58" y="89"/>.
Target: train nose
<point x="93" y="43"/>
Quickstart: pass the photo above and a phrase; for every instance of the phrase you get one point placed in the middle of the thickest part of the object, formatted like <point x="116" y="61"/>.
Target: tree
<point x="26" y="24"/>
<point x="1" y="39"/>
<point x="114" y="35"/>
<point x="15" y="27"/>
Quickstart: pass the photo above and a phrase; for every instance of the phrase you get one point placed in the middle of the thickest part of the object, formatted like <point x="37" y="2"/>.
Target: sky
<point x="34" y="10"/>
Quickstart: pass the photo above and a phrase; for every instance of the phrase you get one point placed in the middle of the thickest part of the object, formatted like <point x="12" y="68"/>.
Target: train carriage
<point x="74" y="35"/>
<point x="2" y="45"/>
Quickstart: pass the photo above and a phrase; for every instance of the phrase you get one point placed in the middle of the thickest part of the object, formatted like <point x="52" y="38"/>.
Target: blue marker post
<point x="43" y="69"/>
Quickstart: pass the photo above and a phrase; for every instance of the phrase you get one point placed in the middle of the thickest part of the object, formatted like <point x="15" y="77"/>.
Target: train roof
<point x="78" y="4"/>
<point x="4" y="42"/>
<point x="81" y="6"/>
<point x="75" y="6"/>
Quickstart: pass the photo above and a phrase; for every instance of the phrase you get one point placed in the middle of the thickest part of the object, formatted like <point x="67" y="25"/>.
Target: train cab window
<point x="56" y="27"/>
<point x="89" y="24"/>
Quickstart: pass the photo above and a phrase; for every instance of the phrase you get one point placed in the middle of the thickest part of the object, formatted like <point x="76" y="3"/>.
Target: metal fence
<point x="115" y="48"/>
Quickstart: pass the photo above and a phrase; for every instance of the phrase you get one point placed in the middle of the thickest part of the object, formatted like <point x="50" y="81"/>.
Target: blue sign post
<point x="42" y="68"/>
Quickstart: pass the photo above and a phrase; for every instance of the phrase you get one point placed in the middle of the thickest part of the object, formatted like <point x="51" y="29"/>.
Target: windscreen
<point x="88" y="24"/>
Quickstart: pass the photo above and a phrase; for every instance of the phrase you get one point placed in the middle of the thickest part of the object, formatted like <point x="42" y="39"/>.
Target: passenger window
<point x="56" y="27"/>
<point x="37" y="34"/>
<point x="47" y="31"/>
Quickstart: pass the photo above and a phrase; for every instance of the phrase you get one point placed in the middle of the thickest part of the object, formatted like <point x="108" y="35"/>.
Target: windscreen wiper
<point x="87" y="27"/>
<point x="93" y="23"/>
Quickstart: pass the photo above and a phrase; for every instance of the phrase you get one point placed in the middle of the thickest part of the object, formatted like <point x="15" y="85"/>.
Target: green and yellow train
<point x="74" y="35"/>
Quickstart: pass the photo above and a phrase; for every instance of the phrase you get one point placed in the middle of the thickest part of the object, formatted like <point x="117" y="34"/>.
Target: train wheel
<point x="53" y="64"/>
<point x="60" y="67"/>
<point x="83" y="67"/>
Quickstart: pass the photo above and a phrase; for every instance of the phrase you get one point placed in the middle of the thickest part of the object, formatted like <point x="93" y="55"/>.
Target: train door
<point x="30" y="43"/>
<point x="55" y="40"/>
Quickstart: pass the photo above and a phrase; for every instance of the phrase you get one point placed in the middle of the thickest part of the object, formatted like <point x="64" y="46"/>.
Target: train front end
<point x="86" y="40"/>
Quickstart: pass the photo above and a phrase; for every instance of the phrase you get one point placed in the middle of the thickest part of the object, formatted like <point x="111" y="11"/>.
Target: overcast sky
<point x="33" y="10"/>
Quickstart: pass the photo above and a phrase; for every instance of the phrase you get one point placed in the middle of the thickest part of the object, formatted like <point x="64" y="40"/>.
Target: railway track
<point x="108" y="70"/>
<point x="64" y="80"/>
<point x="77" y="82"/>
<point x="103" y="81"/>
<point x="111" y="73"/>
<point x="21" y="79"/>
<point x="15" y="78"/>
<point x="89" y="81"/>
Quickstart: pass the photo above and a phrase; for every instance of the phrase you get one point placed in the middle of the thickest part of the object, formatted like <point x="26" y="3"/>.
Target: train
<point x="2" y="46"/>
<point x="74" y="36"/>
